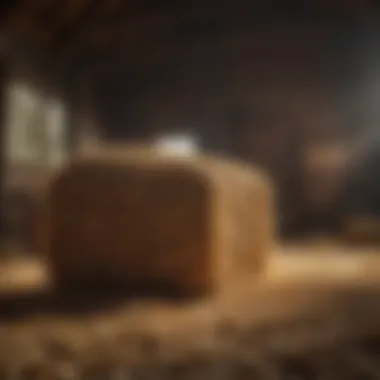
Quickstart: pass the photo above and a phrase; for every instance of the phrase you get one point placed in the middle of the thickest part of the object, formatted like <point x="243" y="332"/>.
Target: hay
<point x="361" y="230"/>
<point x="193" y="225"/>
<point x="284" y="327"/>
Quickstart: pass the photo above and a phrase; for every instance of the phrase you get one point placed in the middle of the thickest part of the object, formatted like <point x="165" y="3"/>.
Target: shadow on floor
<point x="80" y="300"/>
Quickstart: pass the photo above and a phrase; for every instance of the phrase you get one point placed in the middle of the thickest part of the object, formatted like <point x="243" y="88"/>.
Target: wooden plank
<point x="3" y="82"/>
<point x="73" y="28"/>
<point x="276" y="43"/>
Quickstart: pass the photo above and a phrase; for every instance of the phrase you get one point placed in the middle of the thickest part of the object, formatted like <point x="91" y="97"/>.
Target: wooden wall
<point x="267" y="98"/>
<point x="261" y="81"/>
<point x="269" y="95"/>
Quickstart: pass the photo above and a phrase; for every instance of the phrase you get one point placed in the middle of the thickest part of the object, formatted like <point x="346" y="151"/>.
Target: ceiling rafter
<point x="8" y="6"/>
<point x="123" y="39"/>
<point x="133" y="32"/>
<point x="223" y="45"/>
<point x="49" y="16"/>
<point x="117" y="25"/>
<point x="139" y="34"/>
<point x="176" y="46"/>
<point x="165" y="27"/>
<point x="71" y="30"/>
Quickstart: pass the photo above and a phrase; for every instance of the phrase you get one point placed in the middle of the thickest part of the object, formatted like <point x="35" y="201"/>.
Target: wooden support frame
<point x="69" y="33"/>
<point x="3" y="85"/>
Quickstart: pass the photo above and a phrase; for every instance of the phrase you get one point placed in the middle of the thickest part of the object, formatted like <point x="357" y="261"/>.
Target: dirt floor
<point x="314" y="315"/>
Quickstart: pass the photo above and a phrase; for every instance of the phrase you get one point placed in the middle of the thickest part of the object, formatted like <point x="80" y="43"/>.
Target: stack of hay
<point x="195" y="224"/>
<point x="361" y="230"/>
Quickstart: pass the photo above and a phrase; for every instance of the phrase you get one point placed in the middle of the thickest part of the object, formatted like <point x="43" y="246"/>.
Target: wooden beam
<point x="125" y="28"/>
<point x="3" y="86"/>
<point x="49" y="17"/>
<point x="130" y="44"/>
<point x="133" y="30"/>
<point x="73" y="100"/>
<point x="140" y="29"/>
<point x="159" y="49"/>
<point x="170" y="18"/>
<point x="251" y="43"/>
<point x="71" y="31"/>
<point x="8" y="6"/>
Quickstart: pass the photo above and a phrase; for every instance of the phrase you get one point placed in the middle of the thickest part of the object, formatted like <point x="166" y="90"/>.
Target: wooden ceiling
<point x="79" y="35"/>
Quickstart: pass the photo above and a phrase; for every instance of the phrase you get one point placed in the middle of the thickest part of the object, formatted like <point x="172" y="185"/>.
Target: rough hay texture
<point x="189" y="224"/>
<point x="311" y="317"/>
<point x="361" y="230"/>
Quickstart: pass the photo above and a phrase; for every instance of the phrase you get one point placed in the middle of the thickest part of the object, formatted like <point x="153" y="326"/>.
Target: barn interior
<point x="292" y="87"/>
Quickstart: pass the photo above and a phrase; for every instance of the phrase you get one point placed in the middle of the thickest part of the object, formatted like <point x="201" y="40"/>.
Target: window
<point x="35" y="127"/>
<point x="178" y="144"/>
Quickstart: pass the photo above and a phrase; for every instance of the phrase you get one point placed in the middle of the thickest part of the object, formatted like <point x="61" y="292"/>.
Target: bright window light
<point x="179" y="144"/>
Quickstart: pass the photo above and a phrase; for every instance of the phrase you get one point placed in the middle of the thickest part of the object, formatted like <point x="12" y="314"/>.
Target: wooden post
<point x="72" y="101"/>
<point x="3" y="86"/>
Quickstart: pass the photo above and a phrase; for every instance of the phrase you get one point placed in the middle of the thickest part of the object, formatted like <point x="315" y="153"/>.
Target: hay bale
<point x="192" y="224"/>
<point x="361" y="230"/>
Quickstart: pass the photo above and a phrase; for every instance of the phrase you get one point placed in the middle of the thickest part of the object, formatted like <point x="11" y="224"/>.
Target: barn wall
<point x="267" y="103"/>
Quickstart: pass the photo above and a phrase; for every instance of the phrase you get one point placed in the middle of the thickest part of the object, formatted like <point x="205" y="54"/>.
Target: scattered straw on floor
<point x="310" y="318"/>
